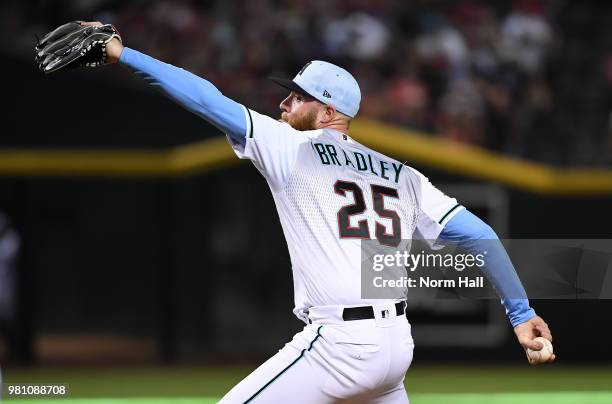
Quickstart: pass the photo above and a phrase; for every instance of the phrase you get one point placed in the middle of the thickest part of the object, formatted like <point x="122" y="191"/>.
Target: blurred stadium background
<point x="140" y="259"/>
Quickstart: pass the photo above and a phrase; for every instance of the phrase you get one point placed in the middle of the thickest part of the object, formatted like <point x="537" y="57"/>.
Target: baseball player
<point x="330" y="192"/>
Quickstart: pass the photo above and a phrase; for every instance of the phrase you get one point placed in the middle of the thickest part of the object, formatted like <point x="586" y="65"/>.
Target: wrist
<point x="521" y="316"/>
<point x="113" y="51"/>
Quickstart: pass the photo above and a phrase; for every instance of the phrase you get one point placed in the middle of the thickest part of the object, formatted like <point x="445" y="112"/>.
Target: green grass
<point x="421" y="398"/>
<point x="425" y="384"/>
<point x="514" y="398"/>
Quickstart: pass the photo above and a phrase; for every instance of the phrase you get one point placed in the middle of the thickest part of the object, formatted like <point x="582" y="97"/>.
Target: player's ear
<point x="329" y="112"/>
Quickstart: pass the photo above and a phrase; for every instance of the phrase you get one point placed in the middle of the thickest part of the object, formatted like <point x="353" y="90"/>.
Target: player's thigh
<point x="287" y="377"/>
<point x="396" y="395"/>
<point x="293" y="375"/>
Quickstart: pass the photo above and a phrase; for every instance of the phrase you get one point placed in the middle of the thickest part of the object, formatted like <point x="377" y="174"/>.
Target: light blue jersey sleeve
<point x="190" y="91"/>
<point x="475" y="236"/>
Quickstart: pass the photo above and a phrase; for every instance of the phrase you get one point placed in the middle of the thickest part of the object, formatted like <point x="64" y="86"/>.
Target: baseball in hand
<point x="543" y="355"/>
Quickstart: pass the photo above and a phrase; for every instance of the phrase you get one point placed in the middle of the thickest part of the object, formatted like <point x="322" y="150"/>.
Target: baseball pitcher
<point x="330" y="192"/>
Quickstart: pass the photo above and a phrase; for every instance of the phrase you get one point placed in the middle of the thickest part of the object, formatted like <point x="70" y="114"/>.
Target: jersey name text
<point x="329" y="155"/>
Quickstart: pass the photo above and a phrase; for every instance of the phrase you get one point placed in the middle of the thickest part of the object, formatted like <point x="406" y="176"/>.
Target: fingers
<point x="531" y="361"/>
<point x="543" y="330"/>
<point x="92" y="23"/>
<point x="529" y="343"/>
<point x="537" y="326"/>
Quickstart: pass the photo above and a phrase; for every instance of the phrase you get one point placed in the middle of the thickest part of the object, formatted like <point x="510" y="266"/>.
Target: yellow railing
<point x="183" y="160"/>
<point x="414" y="148"/>
<point x="421" y="150"/>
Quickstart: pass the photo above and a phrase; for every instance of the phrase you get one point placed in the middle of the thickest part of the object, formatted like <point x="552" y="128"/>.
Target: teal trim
<point x="287" y="368"/>
<point x="251" y="123"/>
<point x="448" y="213"/>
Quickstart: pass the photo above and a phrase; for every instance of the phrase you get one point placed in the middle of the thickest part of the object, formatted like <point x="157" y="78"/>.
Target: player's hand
<point x="527" y="331"/>
<point x="113" y="48"/>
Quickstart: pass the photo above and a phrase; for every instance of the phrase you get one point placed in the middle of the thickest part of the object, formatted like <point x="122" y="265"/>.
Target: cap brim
<point x="290" y="85"/>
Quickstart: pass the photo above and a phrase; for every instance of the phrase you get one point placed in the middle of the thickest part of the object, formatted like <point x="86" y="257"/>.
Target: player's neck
<point x="340" y="126"/>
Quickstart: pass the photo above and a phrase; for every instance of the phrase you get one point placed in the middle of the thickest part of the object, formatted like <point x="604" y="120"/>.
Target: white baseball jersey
<point x="331" y="192"/>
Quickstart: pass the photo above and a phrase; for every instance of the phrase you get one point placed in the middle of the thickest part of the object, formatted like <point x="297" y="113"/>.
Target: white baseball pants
<point x="335" y="361"/>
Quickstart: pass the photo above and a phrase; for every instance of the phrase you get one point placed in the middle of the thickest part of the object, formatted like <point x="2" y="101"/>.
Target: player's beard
<point x="307" y="121"/>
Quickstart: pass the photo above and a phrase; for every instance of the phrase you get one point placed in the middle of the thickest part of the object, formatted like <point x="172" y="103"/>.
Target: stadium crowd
<point x="531" y="78"/>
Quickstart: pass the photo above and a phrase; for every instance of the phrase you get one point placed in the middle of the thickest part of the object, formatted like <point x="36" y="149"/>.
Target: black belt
<point x="367" y="312"/>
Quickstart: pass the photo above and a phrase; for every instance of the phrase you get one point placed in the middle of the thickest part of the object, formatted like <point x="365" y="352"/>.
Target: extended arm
<point x="190" y="91"/>
<point x="475" y="236"/>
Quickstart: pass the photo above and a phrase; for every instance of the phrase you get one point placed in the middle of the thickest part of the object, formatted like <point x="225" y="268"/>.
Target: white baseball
<point x="544" y="354"/>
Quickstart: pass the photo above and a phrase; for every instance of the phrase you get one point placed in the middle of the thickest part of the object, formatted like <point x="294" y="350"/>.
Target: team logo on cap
<point x="326" y="94"/>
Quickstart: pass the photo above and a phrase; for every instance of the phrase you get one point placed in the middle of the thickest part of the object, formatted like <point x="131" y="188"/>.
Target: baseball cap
<point x="328" y="84"/>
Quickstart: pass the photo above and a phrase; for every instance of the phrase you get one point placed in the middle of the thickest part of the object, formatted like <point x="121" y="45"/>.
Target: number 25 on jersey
<point x="359" y="206"/>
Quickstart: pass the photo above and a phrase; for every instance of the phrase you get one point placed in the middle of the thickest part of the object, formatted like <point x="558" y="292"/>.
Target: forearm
<point x="190" y="91"/>
<point x="472" y="235"/>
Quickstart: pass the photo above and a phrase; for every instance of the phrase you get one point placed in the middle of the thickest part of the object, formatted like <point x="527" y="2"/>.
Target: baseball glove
<point x="73" y="45"/>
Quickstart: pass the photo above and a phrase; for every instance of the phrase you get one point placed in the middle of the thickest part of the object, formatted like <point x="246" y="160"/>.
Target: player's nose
<point x="285" y="105"/>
